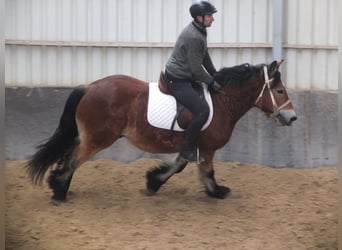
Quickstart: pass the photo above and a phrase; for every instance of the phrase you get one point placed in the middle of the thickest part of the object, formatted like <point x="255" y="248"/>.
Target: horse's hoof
<point x="153" y="184"/>
<point x="58" y="197"/>
<point x="55" y="201"/>
<point x="220" y="192"/>
<point x="149" y="192"/>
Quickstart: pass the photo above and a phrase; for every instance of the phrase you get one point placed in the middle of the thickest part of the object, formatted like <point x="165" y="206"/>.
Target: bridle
<point x="276" y="108"/>
<point x="267" y="84"/>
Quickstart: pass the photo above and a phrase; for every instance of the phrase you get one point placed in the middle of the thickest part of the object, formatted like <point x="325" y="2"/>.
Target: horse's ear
<point x="275" y="66"/>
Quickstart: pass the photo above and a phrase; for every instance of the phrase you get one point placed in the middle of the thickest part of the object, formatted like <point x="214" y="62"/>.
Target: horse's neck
<point x="237" y="102"/>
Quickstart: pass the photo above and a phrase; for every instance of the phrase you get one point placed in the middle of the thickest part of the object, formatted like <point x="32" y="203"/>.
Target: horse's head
<point x="273" y="98"/>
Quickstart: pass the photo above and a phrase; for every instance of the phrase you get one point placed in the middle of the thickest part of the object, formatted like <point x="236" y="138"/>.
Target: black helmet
<point x="202" y="8"/>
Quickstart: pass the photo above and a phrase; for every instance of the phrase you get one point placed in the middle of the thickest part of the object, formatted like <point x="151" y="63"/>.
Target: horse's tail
<point x="55" y="148"/>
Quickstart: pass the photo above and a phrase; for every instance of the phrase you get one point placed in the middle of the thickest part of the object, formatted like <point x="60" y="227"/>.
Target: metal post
<point x="277" y="48"/>
<point x="2" y="127"/>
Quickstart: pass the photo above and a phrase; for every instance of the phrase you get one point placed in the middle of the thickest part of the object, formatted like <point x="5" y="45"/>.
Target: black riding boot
<point x="189" y="146"/>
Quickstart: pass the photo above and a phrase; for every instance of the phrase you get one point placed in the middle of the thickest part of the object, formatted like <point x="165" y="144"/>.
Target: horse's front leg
<point x="157" y="176"/>
<point x="206" y="171"/>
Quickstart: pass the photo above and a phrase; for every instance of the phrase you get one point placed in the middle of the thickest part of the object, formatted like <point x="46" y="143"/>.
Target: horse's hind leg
<point x="157" y="176"/>
<point x="59" y="180"/>
<point x="88" y="145"/>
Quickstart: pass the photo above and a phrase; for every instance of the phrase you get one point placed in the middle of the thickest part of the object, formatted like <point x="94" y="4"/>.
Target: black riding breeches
<point x="183" y="91"/>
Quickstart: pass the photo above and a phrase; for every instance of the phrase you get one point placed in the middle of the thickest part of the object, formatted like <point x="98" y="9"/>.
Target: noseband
<point x="267" y="83"/>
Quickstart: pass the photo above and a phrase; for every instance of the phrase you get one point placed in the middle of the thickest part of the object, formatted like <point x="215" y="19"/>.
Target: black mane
<point x="236" y="75"/>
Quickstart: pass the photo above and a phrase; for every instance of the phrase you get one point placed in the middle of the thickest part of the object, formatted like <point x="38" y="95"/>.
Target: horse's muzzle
<point x="286" y="117"/>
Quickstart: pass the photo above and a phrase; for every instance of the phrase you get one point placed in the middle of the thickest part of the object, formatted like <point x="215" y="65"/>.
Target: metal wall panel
<point x="311" y="44"/>
<point x="66" y="43"/>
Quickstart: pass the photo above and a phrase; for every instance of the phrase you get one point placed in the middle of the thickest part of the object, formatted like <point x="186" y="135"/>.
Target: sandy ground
<point x="107" y="208"/>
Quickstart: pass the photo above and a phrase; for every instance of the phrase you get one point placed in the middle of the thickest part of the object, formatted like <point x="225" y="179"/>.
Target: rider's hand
<point x="214" y="86"/>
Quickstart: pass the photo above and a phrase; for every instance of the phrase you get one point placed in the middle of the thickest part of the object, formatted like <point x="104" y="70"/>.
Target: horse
<point x="95" y="115"/>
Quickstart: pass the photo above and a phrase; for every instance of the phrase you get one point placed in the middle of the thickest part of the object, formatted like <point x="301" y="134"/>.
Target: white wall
<point x="311" y="44"/>
<point x="66" y="43"/>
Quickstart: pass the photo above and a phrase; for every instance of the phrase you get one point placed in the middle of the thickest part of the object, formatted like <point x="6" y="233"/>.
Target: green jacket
<point x="190" y="59"/>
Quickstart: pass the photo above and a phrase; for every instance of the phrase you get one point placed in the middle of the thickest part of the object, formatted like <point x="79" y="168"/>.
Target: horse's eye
<point x="280" y="91"/>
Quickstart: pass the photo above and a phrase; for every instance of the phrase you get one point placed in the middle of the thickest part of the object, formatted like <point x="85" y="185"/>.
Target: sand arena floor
<point x="107" y="208"/>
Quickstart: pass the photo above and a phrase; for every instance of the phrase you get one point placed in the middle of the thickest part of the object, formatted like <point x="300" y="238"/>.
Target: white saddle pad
<point x="162" y="108"/>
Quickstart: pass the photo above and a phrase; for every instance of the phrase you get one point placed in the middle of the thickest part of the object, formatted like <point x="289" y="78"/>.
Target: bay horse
<point x="97" y="114"/>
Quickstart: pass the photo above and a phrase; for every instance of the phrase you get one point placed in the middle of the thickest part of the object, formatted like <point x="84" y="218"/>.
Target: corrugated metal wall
<point x="66" y="43"/>
<point x="311" y="44"/>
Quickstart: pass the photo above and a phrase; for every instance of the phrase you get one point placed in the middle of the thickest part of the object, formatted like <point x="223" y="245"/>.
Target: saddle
<point x="183" y="115"/>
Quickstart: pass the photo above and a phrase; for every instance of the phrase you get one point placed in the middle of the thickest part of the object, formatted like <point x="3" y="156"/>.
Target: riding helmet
<point x="202" y="8"/>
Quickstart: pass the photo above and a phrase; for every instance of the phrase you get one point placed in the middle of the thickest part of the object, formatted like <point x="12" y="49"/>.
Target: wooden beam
<point x="228" y="45"/>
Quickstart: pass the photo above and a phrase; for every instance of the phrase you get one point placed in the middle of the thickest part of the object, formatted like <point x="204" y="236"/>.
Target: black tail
<point x="60" y="143"/>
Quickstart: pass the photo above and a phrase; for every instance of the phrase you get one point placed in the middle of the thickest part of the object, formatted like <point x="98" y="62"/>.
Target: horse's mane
<point x="236" y="75"/>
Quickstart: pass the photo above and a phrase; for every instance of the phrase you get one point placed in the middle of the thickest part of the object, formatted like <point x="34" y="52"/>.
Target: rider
<point x="190" y="62"/>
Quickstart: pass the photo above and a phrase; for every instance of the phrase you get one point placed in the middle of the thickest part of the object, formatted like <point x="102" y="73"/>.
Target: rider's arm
<point x="208" y="64"/>
<point x="196" y="53"/>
